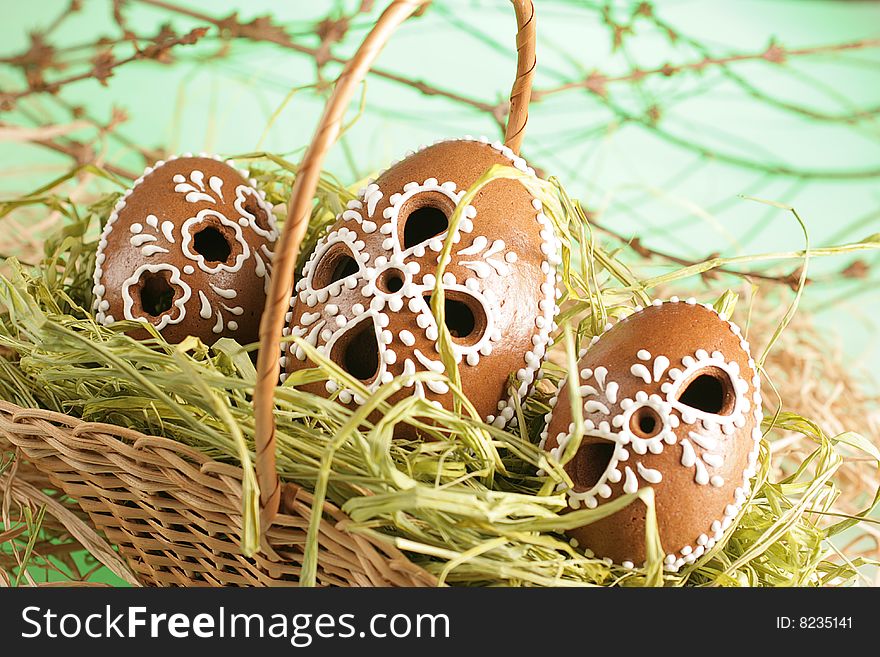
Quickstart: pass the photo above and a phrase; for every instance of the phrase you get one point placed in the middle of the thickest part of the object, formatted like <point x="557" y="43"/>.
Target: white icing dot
<point x="640" y="371"/>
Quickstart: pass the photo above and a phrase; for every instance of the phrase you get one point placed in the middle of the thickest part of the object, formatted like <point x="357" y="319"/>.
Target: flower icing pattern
<point x="191" y="226"/>
<point x="657" y="385"/>
<point x="393" y="280"/>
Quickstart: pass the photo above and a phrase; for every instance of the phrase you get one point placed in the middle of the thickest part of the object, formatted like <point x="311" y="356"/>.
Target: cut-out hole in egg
<point x="212" y="245"/>
<point x="337" y="263"/>
<point x="464" y="316"/>
<point x="156" y="293"/>
<point x="710" y="391"/>
<point x="261" y="217"/>
<point x="391" y="280"/>
<point x="590" y="463"/>
<point x="357" y="351"/>
<point x="645" y="422"/>
<point x="344" y="268"/>
<point x="422" y="224"/>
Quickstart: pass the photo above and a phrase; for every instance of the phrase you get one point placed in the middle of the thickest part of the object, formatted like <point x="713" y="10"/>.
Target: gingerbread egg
<point x="671" y="399"/>
<point x="188" y="249"/>
<point x="364" y="297"/>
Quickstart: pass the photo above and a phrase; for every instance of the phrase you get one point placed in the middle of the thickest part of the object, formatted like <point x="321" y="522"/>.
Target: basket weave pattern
<point x="175" y="514"/>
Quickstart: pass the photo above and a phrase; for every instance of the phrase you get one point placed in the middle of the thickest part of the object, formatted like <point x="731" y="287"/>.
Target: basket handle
<point x="299" y="211"/>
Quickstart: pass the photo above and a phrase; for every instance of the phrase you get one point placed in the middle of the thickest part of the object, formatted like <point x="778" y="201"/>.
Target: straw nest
<point x="468" y="505"/>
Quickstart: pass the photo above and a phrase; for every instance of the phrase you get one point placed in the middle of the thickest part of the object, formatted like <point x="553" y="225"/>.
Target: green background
<point x="652" y="180"/>
<point x="664" y="192"/>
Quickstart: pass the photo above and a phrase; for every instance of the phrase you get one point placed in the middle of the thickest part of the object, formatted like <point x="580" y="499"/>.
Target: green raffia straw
<point x="34" y="523"/>
<point x="574" y="397"/>
<point x="250" y="493"/>
<point x="468" y="504"/>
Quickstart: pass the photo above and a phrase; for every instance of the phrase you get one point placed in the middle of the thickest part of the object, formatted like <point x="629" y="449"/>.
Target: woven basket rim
<point x="95" y="459"/>
<point x="57" y="444"/>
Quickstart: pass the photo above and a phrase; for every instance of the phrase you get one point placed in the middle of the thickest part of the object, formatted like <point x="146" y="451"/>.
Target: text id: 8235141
<point x="814" y="622"/>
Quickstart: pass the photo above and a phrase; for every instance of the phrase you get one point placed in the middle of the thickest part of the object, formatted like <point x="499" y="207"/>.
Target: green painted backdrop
<point x="666" y="158"/>
<point x="649" y="181"/>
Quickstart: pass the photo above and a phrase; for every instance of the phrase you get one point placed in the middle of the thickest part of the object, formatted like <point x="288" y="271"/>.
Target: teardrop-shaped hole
<point x="422" y="224"/>
<point x="464" y="316"/>
<point x="335" y="264"/>
<point x="710" y="391"/>
<point x="590" y="463"/>
<point x="261" y="217"/>
<point x="357" y="351"/>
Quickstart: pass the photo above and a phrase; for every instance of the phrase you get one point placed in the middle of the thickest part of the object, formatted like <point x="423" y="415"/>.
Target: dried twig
<point x="597" y="82"/>
<point x="263" y="29"/>
<point x="635" y="243"/>
<point x="104" y="64"/>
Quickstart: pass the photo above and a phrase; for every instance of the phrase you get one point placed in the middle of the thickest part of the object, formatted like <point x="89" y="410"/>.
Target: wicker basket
<point x="174" y="514"/>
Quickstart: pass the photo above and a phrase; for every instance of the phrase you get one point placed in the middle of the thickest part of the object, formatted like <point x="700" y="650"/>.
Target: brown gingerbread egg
<point x="671" y="399"/>
<point x="188" y="249"/>
<point x="364" y="298"/>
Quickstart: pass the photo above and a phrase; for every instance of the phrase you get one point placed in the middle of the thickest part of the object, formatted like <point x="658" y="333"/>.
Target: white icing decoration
<point x="241" y="194"/>
<point x="641" y="371"/>
<point x="139" y="240"/>
<point x="153" y="238"/>
<point x="195" y="190"/>
<point x="217" y="186"/>
<point x="213" y="267"/>
<point x="175" y="314"/>
<point x="649" y="475"/>
<point x="372" y="196"/>
<point x="485" y="267"/>
<point x="632" y="483"/>
<point x="205" y="311"/>
<point x="168" y="230"/>
<point x="661" y="363"/>
<point x="387" y="257"/>
<point x="144" y="240"/>
<point x="700" y="451"/>
<point x="226" y="294"/>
